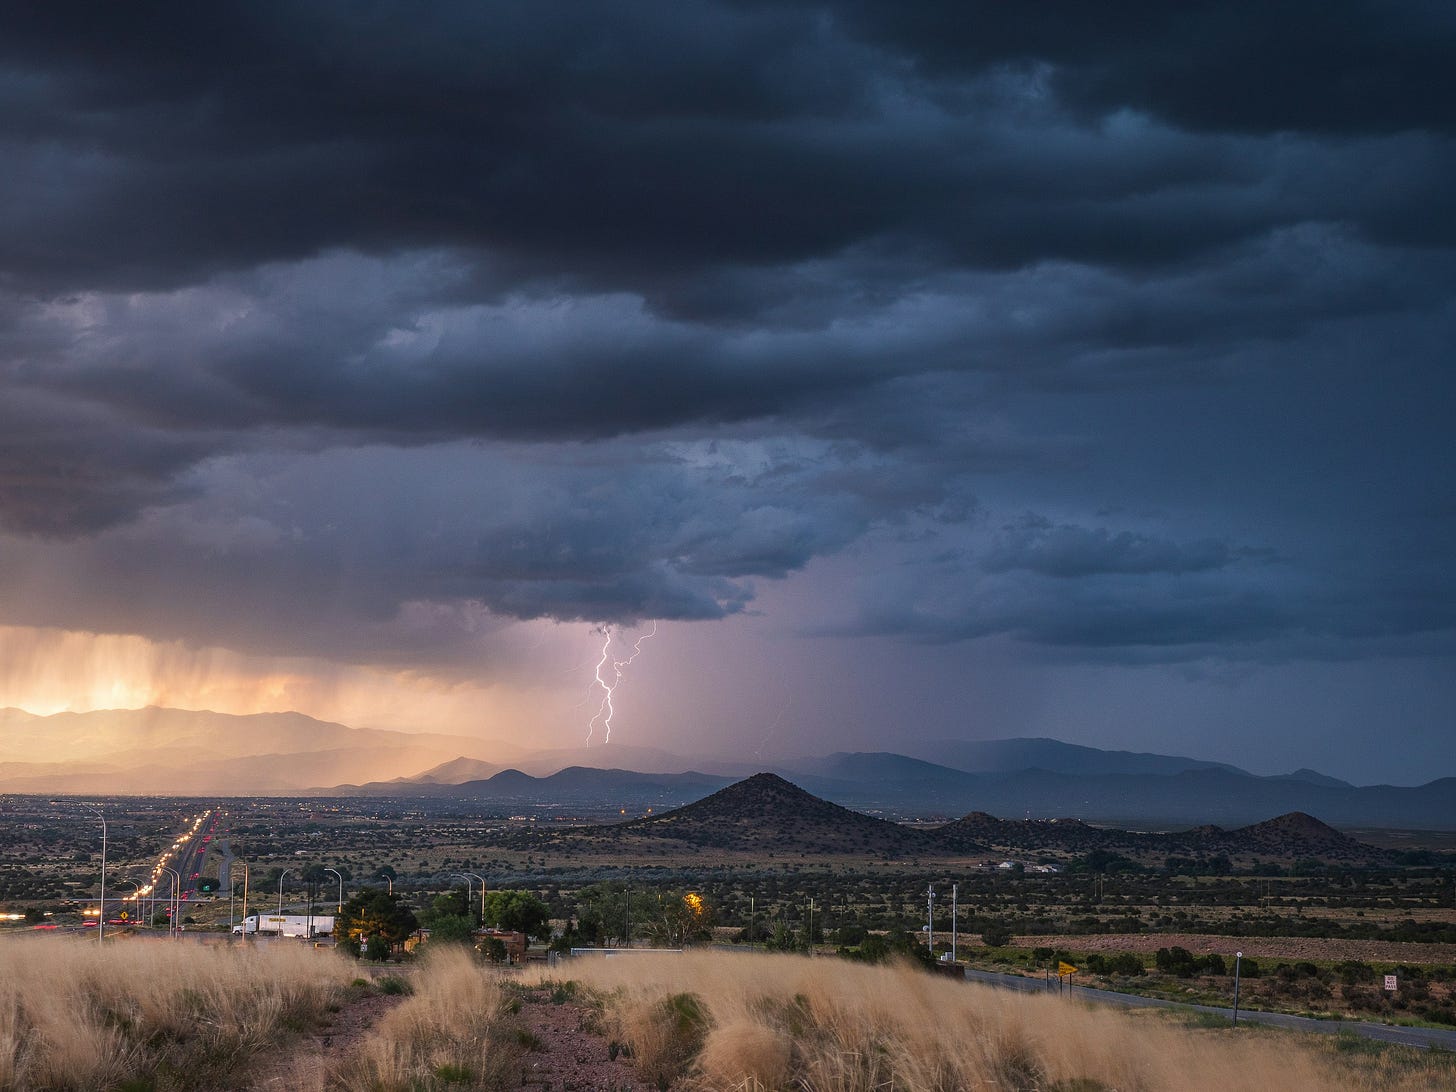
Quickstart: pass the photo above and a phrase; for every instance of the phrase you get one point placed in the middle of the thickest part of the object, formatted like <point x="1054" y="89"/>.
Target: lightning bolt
<point x="609" y="678"/>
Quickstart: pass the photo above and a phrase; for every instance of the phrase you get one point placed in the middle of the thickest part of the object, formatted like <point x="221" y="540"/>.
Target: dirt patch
<point x="1289" y="948"/>
<point x="316" y="1051"/>
<point x="567" y="1051"/>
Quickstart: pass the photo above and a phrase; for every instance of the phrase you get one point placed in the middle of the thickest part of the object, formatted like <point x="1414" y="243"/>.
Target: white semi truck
<point x="286" y="925"/>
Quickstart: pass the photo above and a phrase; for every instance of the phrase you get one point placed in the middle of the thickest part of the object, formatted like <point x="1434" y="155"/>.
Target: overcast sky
<point x="920" y="370"/>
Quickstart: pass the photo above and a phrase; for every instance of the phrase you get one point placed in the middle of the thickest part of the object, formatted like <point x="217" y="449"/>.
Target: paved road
<point x="1389" y="1033"/>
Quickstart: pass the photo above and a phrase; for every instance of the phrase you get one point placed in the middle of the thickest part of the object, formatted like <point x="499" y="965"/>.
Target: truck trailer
<point x="286" y="925"/>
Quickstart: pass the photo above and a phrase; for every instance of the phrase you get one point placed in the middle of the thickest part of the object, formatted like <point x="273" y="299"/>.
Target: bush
<point x="394" y="986"/>
<point x="1176" y="961"/>
<point x="996" y="936"/>
<point x="1124" y="963"/>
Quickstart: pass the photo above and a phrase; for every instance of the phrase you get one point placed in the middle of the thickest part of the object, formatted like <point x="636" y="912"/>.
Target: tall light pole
<point x="286" y="871"/>
<point x="930" y="920"/>
<point x="339" y="874"/>
<point x="954" y="924"/>
<point x="172" y="899"/>
<point x="467" y="876"/>
<point x="245" y="900"/>
<point x="482" y="894"/>
<point x="101" y="903"/>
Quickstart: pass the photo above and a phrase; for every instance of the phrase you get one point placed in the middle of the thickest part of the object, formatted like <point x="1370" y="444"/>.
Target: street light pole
<point x="339" y="874"/>
<point x="172" y="901"/>
<point x="930" y="920"/>
<point x="466" y="877"/>
<point x="285" y="872"/>
<point x="101" y="903"/>
<point x="482" y="894"/>
<point x="245" y="900"/>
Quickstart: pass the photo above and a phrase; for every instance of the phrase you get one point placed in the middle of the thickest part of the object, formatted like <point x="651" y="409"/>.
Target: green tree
<point x="450" y="918"/>
<point x="678" y="919"/>
<point x="605" y="915"/>
<point x="374" y="914"/>
<point x="520" y="912"/>
<point x="454" y="901"/>
<point x="450" y="928"/>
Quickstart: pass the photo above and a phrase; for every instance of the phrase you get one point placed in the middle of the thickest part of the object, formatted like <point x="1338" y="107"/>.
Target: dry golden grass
<point x="156" y="1017"/>
<point x="450" y="1033"/>
<point x="151" y="1014"/>
<point x="725" y="1021"/>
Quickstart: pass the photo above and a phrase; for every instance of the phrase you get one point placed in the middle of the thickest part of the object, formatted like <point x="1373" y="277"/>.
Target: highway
<point x="1388" y="1033"/>
<point x="186" y="856"/>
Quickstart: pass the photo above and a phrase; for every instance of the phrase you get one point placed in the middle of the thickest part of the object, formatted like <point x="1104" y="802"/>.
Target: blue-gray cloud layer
<point x="1122" y="335"/>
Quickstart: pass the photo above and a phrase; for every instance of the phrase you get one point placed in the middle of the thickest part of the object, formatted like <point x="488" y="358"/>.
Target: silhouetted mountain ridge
<point x="768" y="815"/>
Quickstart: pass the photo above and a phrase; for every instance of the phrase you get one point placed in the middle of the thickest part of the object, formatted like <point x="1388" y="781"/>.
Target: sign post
<point x="1238" y="959"/>
<point x="1065" y="971"/>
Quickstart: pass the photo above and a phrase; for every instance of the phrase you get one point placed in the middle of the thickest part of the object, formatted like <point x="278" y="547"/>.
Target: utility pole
<point x="930" y="920"/>
<point x="809" y="929"/>
<point x="954" y="922"/>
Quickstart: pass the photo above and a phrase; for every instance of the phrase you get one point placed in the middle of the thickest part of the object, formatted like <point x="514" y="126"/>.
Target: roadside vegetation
<point x="723" y="1021"/>
<point x="152" y="1017"/>
<point x="136" y="1016"/>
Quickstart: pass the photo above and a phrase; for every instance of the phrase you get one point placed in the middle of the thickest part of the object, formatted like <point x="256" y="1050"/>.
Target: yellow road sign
<point x="1065" y="968"/>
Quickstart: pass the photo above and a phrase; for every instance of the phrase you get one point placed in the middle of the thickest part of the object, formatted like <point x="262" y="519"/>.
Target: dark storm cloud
<point x="1349" y="66"/>
<point x="348" y="550"/>
<point x="1037" y="546"/>
<point x="643" y="145"/>
<point x="602" y="312"/>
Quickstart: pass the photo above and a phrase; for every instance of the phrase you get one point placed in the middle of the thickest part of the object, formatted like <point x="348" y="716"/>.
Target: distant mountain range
<point x="183" y="752"/>
<point x="179" y="752"/>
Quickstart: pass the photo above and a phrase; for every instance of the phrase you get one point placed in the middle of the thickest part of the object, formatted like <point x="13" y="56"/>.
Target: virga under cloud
<point x="356" y="332"/>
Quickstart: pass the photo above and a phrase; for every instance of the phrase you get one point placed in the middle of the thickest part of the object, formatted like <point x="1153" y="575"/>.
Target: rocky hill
<point x="1062" y="836"/>
<point x="1293" y="835"/>
<point x="1285" y="838"/>
<point x="765" y="814"/>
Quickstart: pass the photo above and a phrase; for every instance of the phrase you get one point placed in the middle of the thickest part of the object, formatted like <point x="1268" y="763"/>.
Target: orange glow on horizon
<point x="49" y="671"/>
